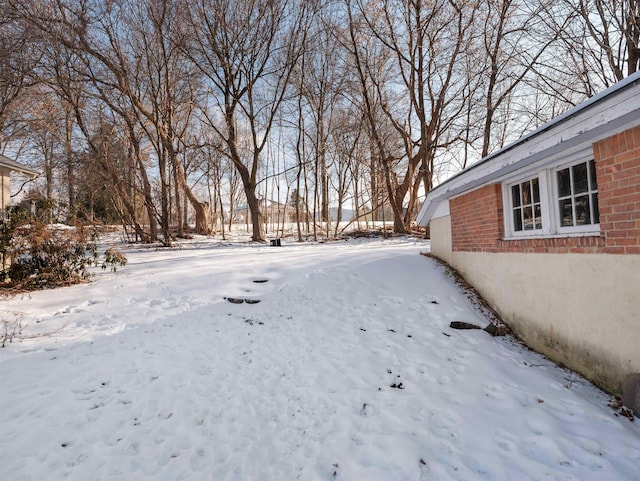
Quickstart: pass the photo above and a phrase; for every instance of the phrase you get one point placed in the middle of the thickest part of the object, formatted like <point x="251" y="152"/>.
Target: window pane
<point x="517" y="220"/>
<point x="527" y="214"/>
<point x="526" y="193"/>
<point x="583" y="214"/>
<point x="564" y="186"/>
<point x="594" y="205"/>
<point x="566" y="213"/>
<point x="515" y="195"/>
<point x="592" y="172"/>
<point x="538" y="216"/>
<point x="535" y="189"/>
<point x="580" y="178"/>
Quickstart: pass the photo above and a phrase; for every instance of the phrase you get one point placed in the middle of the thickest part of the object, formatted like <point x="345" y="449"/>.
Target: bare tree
<point x="513" y="45"/>
<point x="614" y="26"/>
<point x="89" y="98"/>
<point x="161" y="86"/>
<point x="421" y="93"/>
<point x="247" y="51"/>
<point x="18" y="60"/>
<point x="598" y="41"/>
<point x="129" y="48"/>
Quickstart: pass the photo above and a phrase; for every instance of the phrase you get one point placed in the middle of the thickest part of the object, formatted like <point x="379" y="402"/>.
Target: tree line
<point x="148" y="112"/>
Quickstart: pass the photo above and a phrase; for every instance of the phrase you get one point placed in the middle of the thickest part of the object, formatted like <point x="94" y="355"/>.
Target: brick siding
<point x="477" y="217"/>
<point x="618" y="172"/>
<point x="476" y="220"/>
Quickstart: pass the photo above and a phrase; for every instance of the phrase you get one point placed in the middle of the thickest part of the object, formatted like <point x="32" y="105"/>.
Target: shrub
<point x="41" y="256"/>
<point x="112" y="258"/>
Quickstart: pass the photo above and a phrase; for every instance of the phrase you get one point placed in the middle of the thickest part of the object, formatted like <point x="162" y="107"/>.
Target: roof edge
<point x="18" y="167"/>
<point x="427" y="208"/>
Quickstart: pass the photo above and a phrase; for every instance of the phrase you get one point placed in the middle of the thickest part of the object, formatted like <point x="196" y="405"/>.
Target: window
<point x="578" y="195"/>
<point x="527" y="213"/>
<point x="556" y="201"/>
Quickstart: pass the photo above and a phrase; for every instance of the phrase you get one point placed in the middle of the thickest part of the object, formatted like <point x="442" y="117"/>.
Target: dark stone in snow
<point x="233" y="300"/>
<point x="495" y="330"/>
<point x="463" y="325"/>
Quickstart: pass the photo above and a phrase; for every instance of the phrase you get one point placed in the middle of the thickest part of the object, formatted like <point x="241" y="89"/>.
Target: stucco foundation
<point x="582" y="309"/>
<point x="441" y="238"/>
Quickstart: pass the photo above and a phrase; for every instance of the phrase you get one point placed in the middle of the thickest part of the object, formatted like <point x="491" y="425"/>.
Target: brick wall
<point x="477" y="217"/>
<point x="618" y="171"/>
<point x="476" y="220"/>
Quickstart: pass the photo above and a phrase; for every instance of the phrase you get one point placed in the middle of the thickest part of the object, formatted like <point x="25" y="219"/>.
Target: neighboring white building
<point x="548" y="230"/>
<point x="6" y="167"/>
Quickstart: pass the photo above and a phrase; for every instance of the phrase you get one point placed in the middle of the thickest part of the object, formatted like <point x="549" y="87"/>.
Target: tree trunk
<point x="395" y="199"/>
<point x="71" y="212"/>
<point x="203" y="224"/>
<point x="256" y="216"/>
<point x="178" y="204"/>
<point x="146" y="187"/>
<point x="632" y="35"/>
<point x="164" y="198"/>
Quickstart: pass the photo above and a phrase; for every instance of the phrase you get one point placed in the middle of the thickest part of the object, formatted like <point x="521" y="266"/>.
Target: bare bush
<point x="10" y="329"/>
<point x="42" y="256"/>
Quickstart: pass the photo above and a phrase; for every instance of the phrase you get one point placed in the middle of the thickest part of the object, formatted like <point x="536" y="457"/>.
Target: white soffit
<point x="441" y="209"/>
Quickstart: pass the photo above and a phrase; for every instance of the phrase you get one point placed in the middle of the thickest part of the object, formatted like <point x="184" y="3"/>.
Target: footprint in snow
<point x="237" y="300"/>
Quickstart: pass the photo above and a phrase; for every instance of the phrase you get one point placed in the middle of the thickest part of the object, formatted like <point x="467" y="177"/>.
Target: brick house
<point x="548" y="230"/>
<point x="6" y="167"/>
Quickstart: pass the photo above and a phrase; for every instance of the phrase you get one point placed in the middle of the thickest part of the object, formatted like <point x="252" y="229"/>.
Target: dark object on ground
<point x="435" y="302"/>
<point x="463" y="325"/>
<point x="495" y="330"/>
<point x="397" y="386"/>
<point x="233" y="300"/>
<point x="237" y="300"/>
<point x="631" y="392"/>
<point x="260" y="281"/>
<point x="474" y="296"/>
<point x="276" y="242"/>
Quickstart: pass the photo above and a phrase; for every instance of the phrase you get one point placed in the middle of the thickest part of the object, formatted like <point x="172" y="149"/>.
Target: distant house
<point x="271" y="210"/>
<point x="548" y="230"/>
<point x="6" y="167"/>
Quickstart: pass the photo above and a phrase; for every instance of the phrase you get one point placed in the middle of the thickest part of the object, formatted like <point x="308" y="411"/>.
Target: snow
<point x="149" y="373"/>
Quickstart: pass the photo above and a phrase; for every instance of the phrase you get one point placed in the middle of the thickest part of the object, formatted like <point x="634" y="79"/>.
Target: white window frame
<point x="507" y="193"/>
<point x="579" y="229"/>
<point x="549" y="203"/>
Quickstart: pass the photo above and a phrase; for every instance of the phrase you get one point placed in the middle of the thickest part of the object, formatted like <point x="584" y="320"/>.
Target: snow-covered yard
<point x="149" y="373"/>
